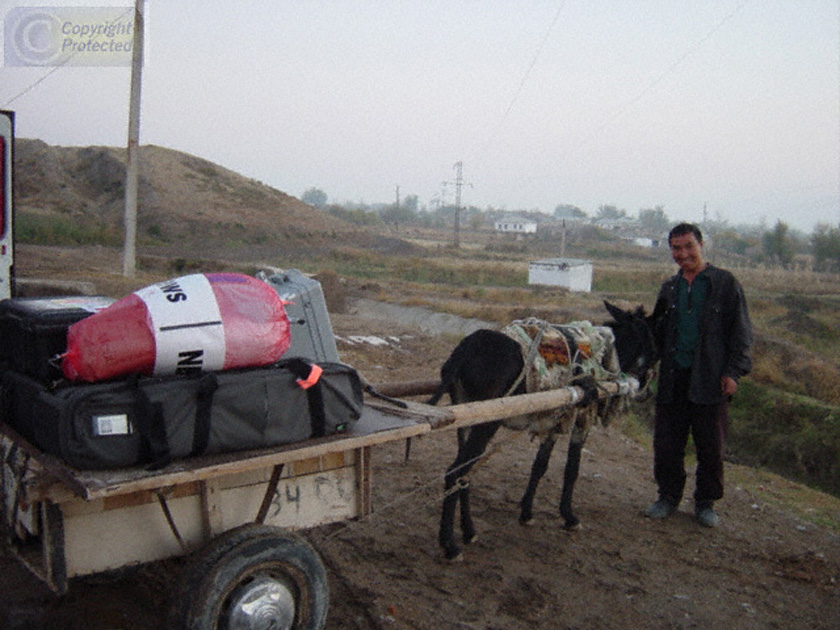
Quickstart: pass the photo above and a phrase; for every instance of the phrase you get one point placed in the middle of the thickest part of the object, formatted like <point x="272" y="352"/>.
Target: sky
<point x="723" y="109"/>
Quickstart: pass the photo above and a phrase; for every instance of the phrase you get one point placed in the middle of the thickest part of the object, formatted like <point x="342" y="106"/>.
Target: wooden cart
<point x="237" y="511"/>
<point x="63" y="523"/>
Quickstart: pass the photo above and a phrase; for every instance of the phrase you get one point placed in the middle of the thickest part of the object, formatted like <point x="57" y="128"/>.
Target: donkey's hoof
<point x="453" y="554"/>
<point x="572" y="526"/>
<point x="468" y="540"/>
<point x="526" y="521"/>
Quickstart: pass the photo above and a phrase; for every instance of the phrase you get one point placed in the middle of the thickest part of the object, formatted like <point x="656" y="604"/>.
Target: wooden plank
<point x="211" y="509"/>
<point x="364" y="481"/>
<point x="138" y="498"/>
<point x="336" y="460"/>
<point x="469" y="414"/>
<point x="298" y="502"/>
<point x="114" y="539"/>
<point x="54" y="548"/>
<point x="307" y="466"/>
<point x="407" y="388"/>
<point x="435" y="417"/>
<point x="68" y="482"/>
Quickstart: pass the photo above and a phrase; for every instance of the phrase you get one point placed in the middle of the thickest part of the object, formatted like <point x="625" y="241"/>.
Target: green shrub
<point x="61" y="230"/>
<point x="791" y="435"/>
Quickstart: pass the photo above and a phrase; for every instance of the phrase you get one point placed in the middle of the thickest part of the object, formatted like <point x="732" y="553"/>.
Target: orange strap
<point x="314" y="377"/>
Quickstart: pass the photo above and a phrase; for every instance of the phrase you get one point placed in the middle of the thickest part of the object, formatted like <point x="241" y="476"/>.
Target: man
<point x="705" y="341"/>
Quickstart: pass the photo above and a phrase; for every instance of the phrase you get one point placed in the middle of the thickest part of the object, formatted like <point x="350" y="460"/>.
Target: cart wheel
<point x="255" y="577"/>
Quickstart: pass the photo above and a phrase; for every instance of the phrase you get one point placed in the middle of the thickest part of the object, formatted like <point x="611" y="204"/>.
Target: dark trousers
<point x="708" y="425"/>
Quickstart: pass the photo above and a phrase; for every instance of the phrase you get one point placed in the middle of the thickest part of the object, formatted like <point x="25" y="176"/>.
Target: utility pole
<point x="563" y="240"/>
<point x="459" y="183"/>
<point x="396" y="214"/>
<point x="133" y="149"/>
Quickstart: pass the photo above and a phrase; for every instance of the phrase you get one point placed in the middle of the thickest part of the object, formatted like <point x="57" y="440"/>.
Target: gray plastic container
<point x="311" y="332"/>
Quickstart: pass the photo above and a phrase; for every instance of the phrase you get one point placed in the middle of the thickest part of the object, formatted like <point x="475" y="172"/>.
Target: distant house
<point x="618" y="224"/>
<point x="572" y="273"/>
<point x="516" y="225"/>
<point x="644" y="241"/>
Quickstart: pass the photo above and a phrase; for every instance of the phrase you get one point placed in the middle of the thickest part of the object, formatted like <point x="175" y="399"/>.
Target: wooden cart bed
<point x="64" y="522"/>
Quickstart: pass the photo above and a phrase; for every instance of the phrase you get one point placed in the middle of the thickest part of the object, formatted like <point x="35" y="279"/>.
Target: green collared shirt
<point x="690" y="298"/>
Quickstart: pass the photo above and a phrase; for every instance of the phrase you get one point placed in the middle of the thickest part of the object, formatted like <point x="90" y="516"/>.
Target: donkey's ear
<point x="658" y="311"/>
<point x="617" y="313"/>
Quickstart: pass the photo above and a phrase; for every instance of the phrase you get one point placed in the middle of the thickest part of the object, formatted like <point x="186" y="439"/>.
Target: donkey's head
<point x="635" y="342"/>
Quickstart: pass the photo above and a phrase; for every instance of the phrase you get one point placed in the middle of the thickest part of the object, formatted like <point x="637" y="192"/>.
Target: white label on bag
<point x="187" y="325"/>
<point x="111" y="424"/>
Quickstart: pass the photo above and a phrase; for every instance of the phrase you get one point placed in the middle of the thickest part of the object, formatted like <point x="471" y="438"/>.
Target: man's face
<point x="687" y="253"/>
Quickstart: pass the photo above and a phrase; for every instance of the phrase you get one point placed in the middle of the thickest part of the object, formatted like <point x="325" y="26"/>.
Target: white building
<point x="572" y="273"/>
<point x="643" y="241"/>
<point x="517" y="225"/>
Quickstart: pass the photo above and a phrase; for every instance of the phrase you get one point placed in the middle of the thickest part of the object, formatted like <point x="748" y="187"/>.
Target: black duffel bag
<point x="151" y="420"/>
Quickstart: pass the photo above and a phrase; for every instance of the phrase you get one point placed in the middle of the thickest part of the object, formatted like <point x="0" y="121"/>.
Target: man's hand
<point x="728" y="386"/>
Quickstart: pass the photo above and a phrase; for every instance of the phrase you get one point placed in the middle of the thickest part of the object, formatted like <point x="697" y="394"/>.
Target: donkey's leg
<point x="469" y="450"/>
<point x="446" y="538"/>
<point x="474" y="446"/>
<point x="570" y="475"/>
<point x="462" y="437"/>
<point x="467" y="527"/>
<point x="538" y="469"/>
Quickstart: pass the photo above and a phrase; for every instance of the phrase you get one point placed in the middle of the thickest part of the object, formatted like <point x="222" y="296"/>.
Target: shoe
<point x="660" y="509"/>
<point x="706" y="516"/>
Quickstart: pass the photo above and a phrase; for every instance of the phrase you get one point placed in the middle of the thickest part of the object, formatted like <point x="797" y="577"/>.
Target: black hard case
<point x="33" y="331"/>
<point x="152" y="420"/>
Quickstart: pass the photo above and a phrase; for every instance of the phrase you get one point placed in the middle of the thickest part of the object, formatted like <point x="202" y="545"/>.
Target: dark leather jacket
<point x="723" y="347"/>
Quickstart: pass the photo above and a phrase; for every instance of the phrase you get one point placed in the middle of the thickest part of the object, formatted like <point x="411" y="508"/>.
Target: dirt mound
<point x="187" y="206"/>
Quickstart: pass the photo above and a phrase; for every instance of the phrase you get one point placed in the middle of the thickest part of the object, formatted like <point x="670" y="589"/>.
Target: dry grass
<point x="769" y="489"/>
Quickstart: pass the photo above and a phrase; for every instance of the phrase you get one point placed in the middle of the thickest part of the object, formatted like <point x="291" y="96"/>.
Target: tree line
<point x="779" y="245"/>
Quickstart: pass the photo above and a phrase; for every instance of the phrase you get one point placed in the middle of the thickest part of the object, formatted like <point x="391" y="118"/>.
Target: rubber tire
<point x="200" y="563"/>
<point x="234" y="556"/>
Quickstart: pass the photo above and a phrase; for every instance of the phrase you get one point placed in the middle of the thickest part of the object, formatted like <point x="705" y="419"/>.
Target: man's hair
<point x="686" y="228"/>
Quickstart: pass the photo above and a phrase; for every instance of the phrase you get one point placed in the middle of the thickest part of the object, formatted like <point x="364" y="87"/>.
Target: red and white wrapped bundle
<point x="200" y="322"/>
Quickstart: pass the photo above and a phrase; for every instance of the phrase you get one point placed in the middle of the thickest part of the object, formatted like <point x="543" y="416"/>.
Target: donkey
<point x="489" y="364"/>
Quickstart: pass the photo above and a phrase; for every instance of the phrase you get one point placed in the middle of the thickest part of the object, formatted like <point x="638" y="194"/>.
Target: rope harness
<point x="553" y="356"/>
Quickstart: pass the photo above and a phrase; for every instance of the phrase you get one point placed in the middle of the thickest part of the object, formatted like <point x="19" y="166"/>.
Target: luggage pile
<point x="203" y="364"/>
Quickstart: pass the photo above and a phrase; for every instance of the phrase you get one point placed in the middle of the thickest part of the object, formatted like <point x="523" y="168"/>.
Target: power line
<point x="652" y="84"/>
<point x="691" y="50"/>
<point x="32" y="86"/>
<point x="524" y="80"/>
<point x="61" y="65"/>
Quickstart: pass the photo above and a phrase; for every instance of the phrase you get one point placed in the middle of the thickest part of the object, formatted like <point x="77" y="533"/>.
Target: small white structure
<point x="517" y="225"/>
<point x="572" y="273"/>
<point x="643" y="241"/>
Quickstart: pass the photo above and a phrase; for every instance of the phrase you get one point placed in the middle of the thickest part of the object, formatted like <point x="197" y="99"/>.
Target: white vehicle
<point x="7" y="269"/>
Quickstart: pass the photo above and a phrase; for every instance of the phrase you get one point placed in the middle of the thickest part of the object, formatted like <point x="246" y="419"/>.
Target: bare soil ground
<point x="762" y="568"/>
